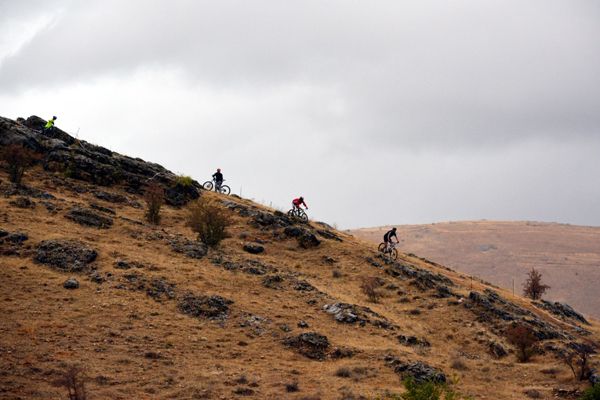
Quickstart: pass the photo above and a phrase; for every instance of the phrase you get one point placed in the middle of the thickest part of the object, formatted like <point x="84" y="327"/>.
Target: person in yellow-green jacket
<point x="49" y="127"/>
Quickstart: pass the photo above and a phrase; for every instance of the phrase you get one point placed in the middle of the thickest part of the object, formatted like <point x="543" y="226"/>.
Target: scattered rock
<point x="310" y="344"/>
<point x="329" y="235"/>
<point x="304" y="286"/>
<point x="413" y="341"/>
<point x="123" y="264"/>
<point x="351" y="313"/>
<point x="22" y="202"/>
<point x="65" y="255"/>
<point x="497" y="350"/>
<point x="71" y="283"/>
<point x="110" y="197"/>
<point x="253" y="248"/>
<point x="3" y="233"/>
<point x="16" y="238"/>
<point x="272" y="281"/>
<point x="419" y="371"/>
<point x="294" y="231"/>
<point x="192" y="249"/>
<point x="211" y="307"/>
<point x="106" y="210"/>
<point x="87" y="217"/>
<point x="96" y="277"/>
<point x="303" y="324"/>
<point x="308" y="240"/>
<point x="158" y="288"/>
<point x="533" y="393"/>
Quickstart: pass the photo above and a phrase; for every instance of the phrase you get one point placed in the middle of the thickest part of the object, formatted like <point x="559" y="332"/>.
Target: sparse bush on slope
<point x="524" y="340"/>
<point x="209" y="221"/>
<point x="592" y="393"/>
<point x="17" y="159"/>
<point x="155" y="197"/>
<point x="533" y="286"/>
<point x="73" y="379"/>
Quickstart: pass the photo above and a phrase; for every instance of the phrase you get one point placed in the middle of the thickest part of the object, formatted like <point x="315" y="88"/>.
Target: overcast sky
<point x="378" y="112"/>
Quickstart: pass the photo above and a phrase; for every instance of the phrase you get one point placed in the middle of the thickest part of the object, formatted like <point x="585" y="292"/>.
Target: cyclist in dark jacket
<point x="387" y="238"/>
<point x="218" y="178"/>
<point x="298" y="202"/>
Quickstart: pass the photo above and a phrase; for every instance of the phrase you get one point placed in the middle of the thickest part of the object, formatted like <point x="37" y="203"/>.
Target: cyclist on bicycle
<point x="49" y="127"/>
<point x="298" y="202"/>
<point x="218" y="178"/>
<point x="387" y="238"/>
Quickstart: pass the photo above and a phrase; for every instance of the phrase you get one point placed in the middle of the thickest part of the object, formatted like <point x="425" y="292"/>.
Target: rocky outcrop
<point x="87" y="217"/>
<point x="351" y="314"/>
<point x="562" y="310"/>
<point x="81" y="160"/>
<point x="489" y="307"/>
<point x="65" y="255"/>
<point x="190" y="248"/>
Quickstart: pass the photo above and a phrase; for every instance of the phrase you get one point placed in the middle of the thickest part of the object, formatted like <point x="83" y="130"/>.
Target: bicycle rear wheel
<point x="208" y="185"/>
<point x="381" y="247"/>
<point x="224" y="189"/>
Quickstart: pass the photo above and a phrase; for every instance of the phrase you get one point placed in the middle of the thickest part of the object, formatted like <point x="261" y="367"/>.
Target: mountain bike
<point x="389" y="250"/>
<point x="298" y="213"/>
<point x="209" y="185"/>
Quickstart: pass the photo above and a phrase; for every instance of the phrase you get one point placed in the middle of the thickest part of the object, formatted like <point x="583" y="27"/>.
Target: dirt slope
<point x="567" y="255"/>
<point x="289" y="323"/>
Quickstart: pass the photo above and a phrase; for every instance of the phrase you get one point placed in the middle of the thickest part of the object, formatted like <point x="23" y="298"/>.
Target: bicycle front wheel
<point x="224" y="189"/>
<point x="394" y="254"/>
<point x="302" y="215"/>
<point x="208" y="185"/>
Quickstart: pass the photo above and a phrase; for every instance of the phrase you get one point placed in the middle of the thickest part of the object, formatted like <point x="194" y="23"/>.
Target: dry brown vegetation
<point x="208" y="220"/>
<point x="533" y="286"/>
<point x="155" y="198"/>
<point x="17" y="159"/>
<point x="131" y="324"/>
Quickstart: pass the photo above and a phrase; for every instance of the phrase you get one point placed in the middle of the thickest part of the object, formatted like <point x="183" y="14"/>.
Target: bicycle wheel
<point x="394" y="254"/>
<point x="381" y="247"/>
<point x="224" y="189"/>
<point x="208" y="185"/>
<point x="302" y="215"/>
<point x="291" y="213"/>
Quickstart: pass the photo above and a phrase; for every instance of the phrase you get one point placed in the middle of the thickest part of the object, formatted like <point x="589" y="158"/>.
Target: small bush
<point x="209" y="221"/>
<point x="185" y="181"/>
<point x="524" y="340"/>
<point x="369" y="287"/>
<point x="336" y="273"/>
<point x="533" y="287"/>
<point x="73" y="379"/>
<point x="427" y="391"/>
<point x="343" y="372"/>
<point x="592" y="393"/>
<point x="155" y="197"/>
<point x="18" y="159"/>
<point x="577" y="357"/>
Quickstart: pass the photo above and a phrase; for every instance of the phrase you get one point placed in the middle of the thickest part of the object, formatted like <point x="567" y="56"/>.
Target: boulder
<point x="191" y="248"/>
<point x="110" y="197"/>
<point x="71" y="283"/>
<point x="253" y="248"/>
<point x="22" y="202"/>
<point x="413" y="341"/>
<point x="310" y="344"/>
<point x="308" y="240"/>
<point x="65" y="255"/>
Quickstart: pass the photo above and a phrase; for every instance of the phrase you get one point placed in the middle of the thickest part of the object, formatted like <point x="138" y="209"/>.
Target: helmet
<point x="301" y="198"/>
<point x="394" y="229"/>
<point x="54" y="117"/>
<point x="218" y="169"/>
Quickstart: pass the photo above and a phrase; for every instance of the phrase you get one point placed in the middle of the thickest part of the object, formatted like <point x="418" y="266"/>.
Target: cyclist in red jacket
<point x="298" y="202"/>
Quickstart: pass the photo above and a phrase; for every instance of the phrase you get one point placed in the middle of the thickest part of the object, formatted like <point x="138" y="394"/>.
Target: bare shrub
<point x="524" y="340"/>
<point x="343" y="372"/>
<point x="533" y="286"/>
<point x="336" y="273"/>
<point x="209" y="221"/>
<point x="18" y="159"/>
<point x="576" y="356"/>
<point x="458" y="364"/>
<point x="73" y="379"/>
<point x="155" y="197"/>
<point x="292" y="387"/>
<point x="369" y="287"/>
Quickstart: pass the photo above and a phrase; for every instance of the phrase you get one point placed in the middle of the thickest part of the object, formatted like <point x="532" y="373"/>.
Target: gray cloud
<point x="468" y="82"/>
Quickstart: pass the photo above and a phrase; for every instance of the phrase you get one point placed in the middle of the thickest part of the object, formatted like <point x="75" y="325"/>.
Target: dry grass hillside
<point x="156" y="316"/>
<point x="568" y="256"/>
